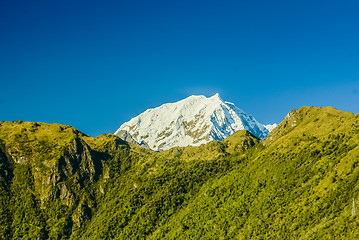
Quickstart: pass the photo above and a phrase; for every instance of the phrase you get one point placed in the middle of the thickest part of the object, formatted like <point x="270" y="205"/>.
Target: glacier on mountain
<point x="191" y="121"/>
<point x="270" y="127"/>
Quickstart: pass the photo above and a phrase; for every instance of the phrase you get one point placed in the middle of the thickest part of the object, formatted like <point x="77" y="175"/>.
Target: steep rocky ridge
<point x="56" y="164"/>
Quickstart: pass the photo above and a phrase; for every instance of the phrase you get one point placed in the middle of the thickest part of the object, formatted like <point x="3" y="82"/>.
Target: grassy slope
<point x="298" y="183"/>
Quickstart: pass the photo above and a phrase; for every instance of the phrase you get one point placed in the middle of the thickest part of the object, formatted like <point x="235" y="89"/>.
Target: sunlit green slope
<point x="298" y="183"/>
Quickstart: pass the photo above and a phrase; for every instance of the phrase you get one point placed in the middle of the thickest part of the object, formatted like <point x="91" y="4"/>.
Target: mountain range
<point x="190" y="122"/>
<point x="300" y="182"/>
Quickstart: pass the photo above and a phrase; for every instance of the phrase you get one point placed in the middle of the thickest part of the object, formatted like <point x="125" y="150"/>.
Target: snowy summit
<point x="191" y="121"/>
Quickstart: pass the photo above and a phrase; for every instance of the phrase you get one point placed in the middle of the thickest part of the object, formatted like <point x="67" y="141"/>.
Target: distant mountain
<point x="189" y="122"/>
<point x="270" y="127"/>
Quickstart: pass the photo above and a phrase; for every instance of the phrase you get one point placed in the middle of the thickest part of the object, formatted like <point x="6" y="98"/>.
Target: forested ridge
<point x="298" y="183"/>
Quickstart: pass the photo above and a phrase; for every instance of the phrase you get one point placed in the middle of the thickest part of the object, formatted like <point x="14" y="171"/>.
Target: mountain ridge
<point x="298" y="183"/>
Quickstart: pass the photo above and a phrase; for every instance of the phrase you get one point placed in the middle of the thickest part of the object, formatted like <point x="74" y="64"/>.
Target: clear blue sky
<point x="96" y="64"/>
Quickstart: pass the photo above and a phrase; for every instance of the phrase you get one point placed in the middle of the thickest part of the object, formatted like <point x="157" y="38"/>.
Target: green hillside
<point x="298" y="183"/>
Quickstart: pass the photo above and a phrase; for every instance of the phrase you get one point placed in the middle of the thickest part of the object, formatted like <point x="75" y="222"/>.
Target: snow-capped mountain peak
<point x="191" y="121"/>
<point x="270" y="127"/>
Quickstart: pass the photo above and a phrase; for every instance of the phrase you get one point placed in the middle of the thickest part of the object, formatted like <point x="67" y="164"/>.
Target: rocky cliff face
<point x="50" y="165"/>
<point x="78" y="167"/>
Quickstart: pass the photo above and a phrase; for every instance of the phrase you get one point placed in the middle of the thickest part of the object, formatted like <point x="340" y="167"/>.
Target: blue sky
<point x="96" y="64"/>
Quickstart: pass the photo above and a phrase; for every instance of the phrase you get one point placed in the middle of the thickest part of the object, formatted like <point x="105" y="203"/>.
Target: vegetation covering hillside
<point x="298" y="183"/>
